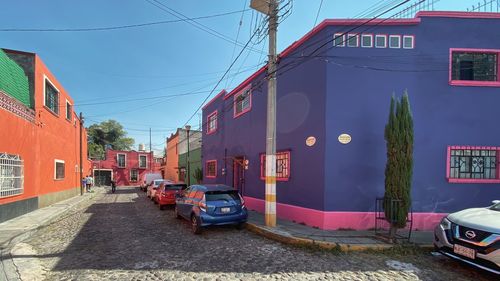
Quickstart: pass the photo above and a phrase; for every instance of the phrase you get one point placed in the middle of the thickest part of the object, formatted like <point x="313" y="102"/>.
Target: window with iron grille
<point x="59" y="170"/>
<point x="51" y="97"/>
<point x="69" y="110"/>
<point x="11" y="175"/>
<point x="120" y="160"/>
<point x="474" y="66"/>
<point x="134" y="175"/>
<point x="471" y="163"/>
<point x="211" y="169"/>
<point x="212" y="122"/>
<point x="143" y="161"/>
<point x="282" y="166"/>
<point x="243" y="101"/>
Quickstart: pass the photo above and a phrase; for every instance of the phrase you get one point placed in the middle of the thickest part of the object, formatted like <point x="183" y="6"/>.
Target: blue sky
<point x="153" y="62"/>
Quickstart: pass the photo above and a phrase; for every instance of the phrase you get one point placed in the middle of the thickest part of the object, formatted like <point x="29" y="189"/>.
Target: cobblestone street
<point x="123" y="236"/>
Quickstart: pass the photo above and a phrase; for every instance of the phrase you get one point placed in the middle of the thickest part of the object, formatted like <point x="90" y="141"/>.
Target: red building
<point x="127" y="168"/>
<point x="41" y="138"/>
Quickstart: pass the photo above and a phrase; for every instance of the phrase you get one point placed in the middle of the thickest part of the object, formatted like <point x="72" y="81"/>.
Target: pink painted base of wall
<point x="338" y="220"/>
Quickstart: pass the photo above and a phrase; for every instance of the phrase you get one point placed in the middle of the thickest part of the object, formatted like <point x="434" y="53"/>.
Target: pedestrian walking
<point x="88" y="182"/>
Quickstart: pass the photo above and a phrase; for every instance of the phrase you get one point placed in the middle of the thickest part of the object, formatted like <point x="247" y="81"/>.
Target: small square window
<point x="339" y="40"/>
<point x="395" y="41"/>
<point x="381" y="41"/>
<point x="211" y="169"/>
<point x="352" y="40"/>
<point x="212" y="122"/>
<point x="282" y="166"/>
<point x="243" y="101"/>
<point x="51" y="97"/>
<point x="367" y="41"/>
<point x="143" y="161"/>
<point x="120" y="159"/>
<point x="59" y="170"/>
<point x="408" y="42"/>
<point x="134" y="175"/>
<point x="69" y="110"/>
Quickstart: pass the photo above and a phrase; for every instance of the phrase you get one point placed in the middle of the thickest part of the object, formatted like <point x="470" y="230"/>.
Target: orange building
<point x="172" y="162"/>
<point x="41" y="137"/>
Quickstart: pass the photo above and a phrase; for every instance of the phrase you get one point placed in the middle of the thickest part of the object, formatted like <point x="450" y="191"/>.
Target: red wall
<point x="122" y="175"/>
<point x="50" y="137"/>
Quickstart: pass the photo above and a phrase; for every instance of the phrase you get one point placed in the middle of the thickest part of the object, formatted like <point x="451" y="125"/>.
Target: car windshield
<point x="158" y="182"/>
<point x="222" y="195"/>
<point x="175" y="186"/>
<point x="496" y="207"/>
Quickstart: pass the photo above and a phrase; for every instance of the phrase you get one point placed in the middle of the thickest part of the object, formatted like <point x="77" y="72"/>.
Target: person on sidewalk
<point x="89" y="182"/>
<point x="84" y="182"/>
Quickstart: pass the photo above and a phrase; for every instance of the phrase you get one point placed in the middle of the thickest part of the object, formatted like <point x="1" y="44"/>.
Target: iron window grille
<point x="11" y="175"/>
<point x="282" y="166"/>
<point x="474" y="66"/>
<point x="143" y="161"/>
<point x="51" y="97"/>
<point x="242" y="102"/>
<point x="69" y="109"/>
<point x="473" y="164"/>
<point x="120" y="159"/>
<point x="211" y="169"/>
<point x="212" y="122"/>
<point x="59" y="170"/>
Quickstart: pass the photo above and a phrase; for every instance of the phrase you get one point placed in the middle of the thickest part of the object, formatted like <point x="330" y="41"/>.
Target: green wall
<point x="13" y="80"/>
<point x="194" y="162"/>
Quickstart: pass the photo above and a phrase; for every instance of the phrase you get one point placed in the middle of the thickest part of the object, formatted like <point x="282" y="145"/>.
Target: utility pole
<point x="81" y="153"/>
<point x="150" y="153"/>
<point x="187" y="158"/>
<point x="270" y="8"/>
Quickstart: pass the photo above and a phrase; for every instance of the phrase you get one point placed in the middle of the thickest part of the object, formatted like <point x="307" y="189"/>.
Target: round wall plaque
<point x="344" y="138"/>
<point x="310" y="141"/>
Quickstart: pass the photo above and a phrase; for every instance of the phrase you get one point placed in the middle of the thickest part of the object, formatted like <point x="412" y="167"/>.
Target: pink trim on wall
<point x="246" y="82"/>
<point x="206" y="169"/>
<point x="337" y="220"/>
<point x="248" y="87"/>
<point x="460" y="180"/>
<point x="476" y="15"/>
<point x="209" y="132"/>
<point x="223" y="92"/>
<point x="469" y="83"/>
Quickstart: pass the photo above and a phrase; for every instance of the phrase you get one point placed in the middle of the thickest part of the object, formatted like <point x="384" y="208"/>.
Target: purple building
<point x="333" y="98"/>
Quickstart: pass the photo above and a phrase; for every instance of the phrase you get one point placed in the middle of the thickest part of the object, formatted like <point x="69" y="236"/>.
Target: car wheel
<point x="195" y="224"/>
<point x="176" y="212"/>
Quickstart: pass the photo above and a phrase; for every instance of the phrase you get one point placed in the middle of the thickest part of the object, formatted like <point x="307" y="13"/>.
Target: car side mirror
<point x="495" y="202"/>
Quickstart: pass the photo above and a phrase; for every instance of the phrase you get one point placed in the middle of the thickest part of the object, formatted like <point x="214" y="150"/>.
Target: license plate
<point x="464" y="251"/>
<point x="225" y="210"/>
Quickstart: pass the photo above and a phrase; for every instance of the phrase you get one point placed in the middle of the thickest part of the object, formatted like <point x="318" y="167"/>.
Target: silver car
<point x="472" y="236"/>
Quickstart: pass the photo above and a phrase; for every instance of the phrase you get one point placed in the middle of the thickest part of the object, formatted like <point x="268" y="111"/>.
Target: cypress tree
<point x="399" y="167"/>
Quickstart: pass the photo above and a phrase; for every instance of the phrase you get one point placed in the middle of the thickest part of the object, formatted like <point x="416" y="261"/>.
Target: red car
<point x="165" y="195"/>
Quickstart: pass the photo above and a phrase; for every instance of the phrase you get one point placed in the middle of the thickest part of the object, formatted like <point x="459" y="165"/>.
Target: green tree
<point x="399" y="166"/>
<point x="107" y="133"/>
<point x="198" y="175"/>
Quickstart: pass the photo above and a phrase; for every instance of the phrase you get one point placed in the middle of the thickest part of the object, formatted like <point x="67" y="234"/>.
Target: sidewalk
<point x="20" y="228"/>
<point x="293" y="233"/>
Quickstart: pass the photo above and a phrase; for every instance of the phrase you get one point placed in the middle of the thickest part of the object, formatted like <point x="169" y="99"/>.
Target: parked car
<point x="165" y="195"/>
<point x="209" y="204"/>
<point x="148" y="179"/>
<point x="472" y="236"/>
<point x="151" y="190"/>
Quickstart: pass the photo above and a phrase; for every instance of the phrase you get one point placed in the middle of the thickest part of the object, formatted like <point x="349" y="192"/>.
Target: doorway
<point x="238" y="173"/>
<point x="102" y="177"/>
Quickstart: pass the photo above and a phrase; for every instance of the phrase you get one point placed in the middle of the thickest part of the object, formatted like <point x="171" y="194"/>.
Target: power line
<point x="114" y="27"/>
<point x="317" y="14"/>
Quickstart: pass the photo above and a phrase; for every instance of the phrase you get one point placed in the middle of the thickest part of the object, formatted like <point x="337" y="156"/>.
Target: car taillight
<point x="203" y="204"/>
<point x="242" y="201"/>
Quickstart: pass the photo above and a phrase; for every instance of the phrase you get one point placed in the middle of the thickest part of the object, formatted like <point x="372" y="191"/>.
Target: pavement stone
<point x="124" y="236"/>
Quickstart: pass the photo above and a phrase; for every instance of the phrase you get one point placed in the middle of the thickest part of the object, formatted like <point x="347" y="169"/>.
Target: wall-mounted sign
<point x="344" y="138"/>
<point x="310" y="141"/>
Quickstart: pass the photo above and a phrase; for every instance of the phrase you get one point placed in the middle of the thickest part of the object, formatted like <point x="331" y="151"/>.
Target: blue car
<point x="211" y="204"/>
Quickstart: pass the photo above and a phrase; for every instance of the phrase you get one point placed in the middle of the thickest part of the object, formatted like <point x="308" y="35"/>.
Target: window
<point x="243" y="101"/>
<point x="134" y="174"/>
<point x="380" y="41"/>
<point x="51" y="97"/>
<point x="120" y="160"/>
<point x="211" y="169"/>
<point x="408" y="42"/>
<point x="69" y="110"/>
<point x="367" y="40"/>
<point x="469" y="67"/>
<point x="395" y="41"/>
<point x="472" y="164"/>
<point x="282" y="166"/>
<point x="339" y="40"/>
<point x="59" y="169"/>
<point x="11" y="175"/>
<point x="352" y="40"/>
<point x="143" y="161"/>
<point x="212" y="122"/>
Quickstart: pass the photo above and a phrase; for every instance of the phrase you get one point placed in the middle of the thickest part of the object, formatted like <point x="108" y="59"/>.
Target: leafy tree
<point x="399" y="166"/>
<point x="96" y="151"/>
<point x="198" y="175"/>
<point x="107" y="133"/>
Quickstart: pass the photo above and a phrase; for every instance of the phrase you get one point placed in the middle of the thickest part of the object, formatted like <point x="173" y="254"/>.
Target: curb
<point x="286" y="238"/>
